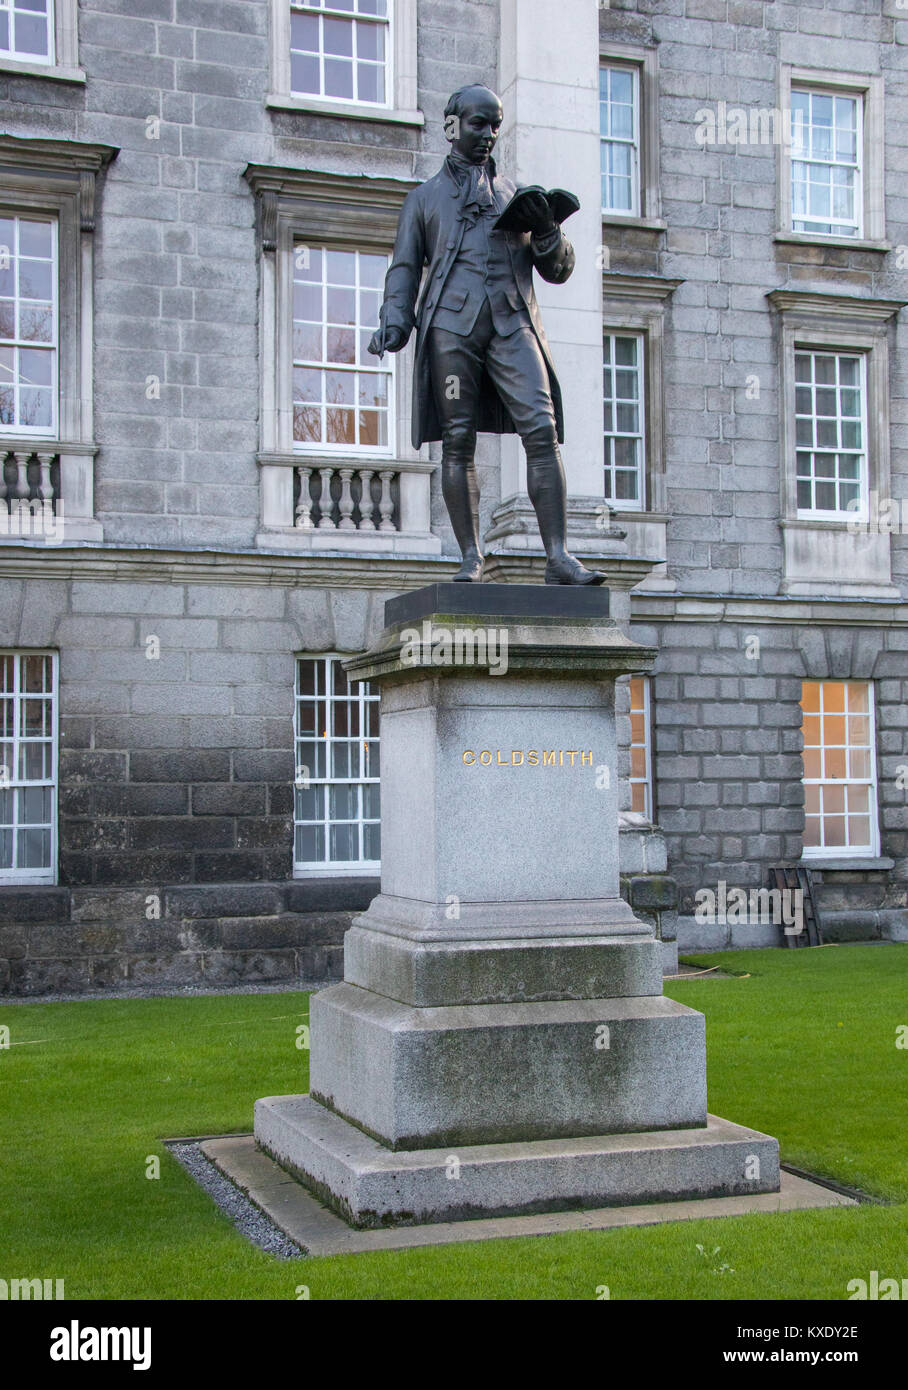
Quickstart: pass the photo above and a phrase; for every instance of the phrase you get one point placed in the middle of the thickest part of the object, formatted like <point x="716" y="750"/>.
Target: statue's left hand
<point x="539" y="214"/>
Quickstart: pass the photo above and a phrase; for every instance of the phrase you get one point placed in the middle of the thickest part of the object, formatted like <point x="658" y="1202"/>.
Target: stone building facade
<point x="210" y="489"/>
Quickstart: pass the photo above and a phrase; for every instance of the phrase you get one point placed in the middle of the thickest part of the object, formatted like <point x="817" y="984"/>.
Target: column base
<point x="371" y="1186"/>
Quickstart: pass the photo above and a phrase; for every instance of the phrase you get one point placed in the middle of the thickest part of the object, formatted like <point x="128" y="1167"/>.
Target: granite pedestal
<point x="499" y="994"/>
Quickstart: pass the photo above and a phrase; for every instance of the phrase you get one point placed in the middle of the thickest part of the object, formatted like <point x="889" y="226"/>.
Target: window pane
<point x="370" y="78"/>
<point x="31" y="35"/>
<point x="338" y="36"/>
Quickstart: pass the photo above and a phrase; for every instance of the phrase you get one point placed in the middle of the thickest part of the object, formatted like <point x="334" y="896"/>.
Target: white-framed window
<point x="840" y="794"/>
<point x="28" y="764"/>
<point x="830" y="163"/>
<point x="624" y="423"/>
<point x="830" y="434"/>
<point x="336" y="819"/>
<point x="641" y="775"/>
<point x="342" y="395"/>
<point x="27" y="30"/>
<point x="341" y="50"/>
<point x="827" y="144"/>
<point x="28" y="325"/>
<point x="619" y="129"/>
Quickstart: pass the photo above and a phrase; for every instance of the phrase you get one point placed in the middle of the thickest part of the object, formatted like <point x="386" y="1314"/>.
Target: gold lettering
<point x="520" y="757"/>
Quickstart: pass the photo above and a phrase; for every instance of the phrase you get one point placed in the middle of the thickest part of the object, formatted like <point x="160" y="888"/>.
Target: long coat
<point x="429" y="232"/>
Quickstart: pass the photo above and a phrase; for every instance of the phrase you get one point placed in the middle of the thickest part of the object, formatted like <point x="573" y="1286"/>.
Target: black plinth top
<point x="500" y="600"/>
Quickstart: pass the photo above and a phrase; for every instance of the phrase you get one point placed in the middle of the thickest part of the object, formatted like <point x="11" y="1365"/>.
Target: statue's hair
<point x="457" y="100"/>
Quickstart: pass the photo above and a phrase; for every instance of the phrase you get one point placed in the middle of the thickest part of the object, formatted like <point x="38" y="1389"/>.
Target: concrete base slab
<point x="369" y="1185"/>
<point x="320" y="1231"/>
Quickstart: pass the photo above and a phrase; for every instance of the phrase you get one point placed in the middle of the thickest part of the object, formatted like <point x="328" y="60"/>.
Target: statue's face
<point x="479" y="127"/>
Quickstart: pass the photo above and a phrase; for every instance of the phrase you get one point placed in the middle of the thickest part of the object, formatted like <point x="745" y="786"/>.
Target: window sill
<point x="853" y="243"/>
<point x="621" y="515"/>
<point x="338" y="871"/>
<point x="348" y="544"/>
<point x="838" y="522"/>
<point x="646" y="224"/>
<point x="17" y="68"/>
<point x="323" y="106"/>
<point x="855" y="865"/>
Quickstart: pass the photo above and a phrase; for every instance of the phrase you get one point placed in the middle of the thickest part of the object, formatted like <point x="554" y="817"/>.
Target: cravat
<point x="475" y="182"/>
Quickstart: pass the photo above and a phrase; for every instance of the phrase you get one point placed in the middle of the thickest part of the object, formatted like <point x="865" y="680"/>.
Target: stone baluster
<point x="21" y="457"/>
<point x="386" y="505"/>
<point x="326" y="522"/>
<point x="346" y="501"/>
<point x="303" y="518"/>
<point x="45" y="486"/>
<point x="366" y="522"/>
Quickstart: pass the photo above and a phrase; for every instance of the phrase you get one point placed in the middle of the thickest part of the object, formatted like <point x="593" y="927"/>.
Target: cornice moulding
<point x="816" y="304"/>
<point x="362" y="189"/>
<point x="616" y="285"/>
<point x="297" y="569"/>
<point x="66" y="156"/>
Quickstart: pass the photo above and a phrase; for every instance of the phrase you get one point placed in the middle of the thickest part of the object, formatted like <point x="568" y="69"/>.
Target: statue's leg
<point x="517" y="367"/>
<point x="456" y="366"/>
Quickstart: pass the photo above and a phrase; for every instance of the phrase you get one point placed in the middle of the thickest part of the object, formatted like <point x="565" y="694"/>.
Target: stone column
<point x="499" y="992"/>
<point x="549" y="87"/>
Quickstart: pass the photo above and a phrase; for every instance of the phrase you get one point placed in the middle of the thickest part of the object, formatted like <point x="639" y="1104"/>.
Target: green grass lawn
<point x="801" y="1044"/>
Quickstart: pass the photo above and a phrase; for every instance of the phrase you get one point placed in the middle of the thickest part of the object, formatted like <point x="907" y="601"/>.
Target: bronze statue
<point x="482" y="360"/>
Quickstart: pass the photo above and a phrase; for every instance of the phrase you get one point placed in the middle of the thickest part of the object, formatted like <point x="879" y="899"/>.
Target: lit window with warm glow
<point x="641" y="777"/>
<point x="840" y="802"/>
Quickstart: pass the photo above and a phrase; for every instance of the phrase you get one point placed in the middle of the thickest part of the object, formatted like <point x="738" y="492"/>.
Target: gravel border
<point x="245" y="1215"/>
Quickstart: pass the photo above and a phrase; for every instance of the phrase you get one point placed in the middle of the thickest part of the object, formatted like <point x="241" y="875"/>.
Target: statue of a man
<point x="482" y="360"/>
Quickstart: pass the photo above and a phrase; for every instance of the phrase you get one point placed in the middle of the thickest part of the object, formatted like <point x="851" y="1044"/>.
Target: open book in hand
<point x="516" y="217"/>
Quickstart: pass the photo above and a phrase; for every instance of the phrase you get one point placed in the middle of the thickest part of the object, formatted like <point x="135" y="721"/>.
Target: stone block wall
<point x="178" y="767"/>
<point x="80" y="940"/>
<point x="720" y="204"/>
<point x="727" y="757"/>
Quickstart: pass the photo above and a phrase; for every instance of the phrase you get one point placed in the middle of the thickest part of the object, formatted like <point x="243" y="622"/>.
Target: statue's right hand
<point x="390" y="339"/>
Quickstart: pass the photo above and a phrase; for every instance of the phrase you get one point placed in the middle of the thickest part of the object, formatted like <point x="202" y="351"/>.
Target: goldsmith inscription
<point x="531" y="757"/>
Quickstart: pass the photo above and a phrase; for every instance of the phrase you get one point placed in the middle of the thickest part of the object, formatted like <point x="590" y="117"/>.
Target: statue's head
<point x="473" y="119"/>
